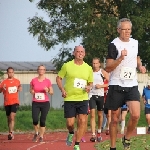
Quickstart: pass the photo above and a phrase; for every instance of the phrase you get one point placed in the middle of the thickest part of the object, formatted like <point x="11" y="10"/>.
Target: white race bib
<point x="127" y="73"/>
<point x="80" y="83"/>
<point x="12" y="89"/>
<point x="148" y="101"/>
<point x="40" y="96"/>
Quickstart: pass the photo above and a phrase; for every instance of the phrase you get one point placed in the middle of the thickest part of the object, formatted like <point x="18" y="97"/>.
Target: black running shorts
<point x="147" y="110"/>
<point x="96" y="101"/>
<point x="117" y="96"/>
<point x="72" y="108"/>
<point x="11" y="108"/>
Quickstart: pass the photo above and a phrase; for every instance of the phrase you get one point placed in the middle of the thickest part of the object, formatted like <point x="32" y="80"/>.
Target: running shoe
<point x="148" y="130"/>
<point x="41" y="139"/>
<point x="99" y="137"/>
<point x="10" y="136"/>
<point x="107" y="132"/>
<point x="126" y="143"/>
<point x="35" y="138"/>
<point x="76" y="147"/>
<point x="69" y="139"/>
<point x="83" y="139"/>
<point x="93" y="139"/>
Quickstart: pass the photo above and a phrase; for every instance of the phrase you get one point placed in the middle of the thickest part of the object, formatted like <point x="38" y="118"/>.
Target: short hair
<point x="78" y="46"/>
<point x="96" y="58"/>
<point x="41" y="66"/>
<point x="10" y="68"/>
<point x="123" y="20"/>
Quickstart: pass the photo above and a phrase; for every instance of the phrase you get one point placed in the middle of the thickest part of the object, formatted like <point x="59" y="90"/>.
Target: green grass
<point x="55" y="120"/>
<point x="137" y="143"/>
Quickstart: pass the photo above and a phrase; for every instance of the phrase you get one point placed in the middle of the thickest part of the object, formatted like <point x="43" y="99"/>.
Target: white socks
<point x="122" y="124"/>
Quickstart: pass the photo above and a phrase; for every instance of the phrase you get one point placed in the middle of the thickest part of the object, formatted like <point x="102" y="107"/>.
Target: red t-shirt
<point x="10" y="91"/>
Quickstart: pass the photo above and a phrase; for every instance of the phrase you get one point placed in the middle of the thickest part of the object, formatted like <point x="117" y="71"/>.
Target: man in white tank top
<point x="122" y="61"/>
<point x="96" y="98"/>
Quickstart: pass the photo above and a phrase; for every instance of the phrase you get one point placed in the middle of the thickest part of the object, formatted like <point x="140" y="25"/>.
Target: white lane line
<point x="43" y="143"/>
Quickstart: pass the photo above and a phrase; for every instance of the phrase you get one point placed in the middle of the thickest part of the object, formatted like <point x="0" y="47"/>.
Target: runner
<point x="146" y="100"/>
<point x="124" y="111"/>
<point x="10" y="88"/>
<point x="122" y="60"/>
<point x="40" y="87"/>
<point x="78" y="82"/>
<point x="96" y="97"/>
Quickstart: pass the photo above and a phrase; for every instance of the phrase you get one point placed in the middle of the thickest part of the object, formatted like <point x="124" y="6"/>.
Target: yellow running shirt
<point x="76" y="78"/>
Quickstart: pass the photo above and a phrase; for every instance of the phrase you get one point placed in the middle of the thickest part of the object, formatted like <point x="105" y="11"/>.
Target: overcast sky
<point x="16" y="44"/>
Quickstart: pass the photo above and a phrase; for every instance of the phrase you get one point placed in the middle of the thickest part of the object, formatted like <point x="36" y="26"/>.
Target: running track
<point x="53" y="141"/>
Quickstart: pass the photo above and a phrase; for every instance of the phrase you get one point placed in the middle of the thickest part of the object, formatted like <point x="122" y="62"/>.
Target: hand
<point x="98" y="86"/>
<point x="51" y="91"/>
<point x="142" y="69"/>
<point x="87" y="89"/>
<point x="4" y="86"/>
<point x="46" y="89"/>
<point x="144" y="101"/>
<point x="19" y="88"/>
<point x="64" y="94"/>
<point x="123" y="53"/>
<point x="32" y="91"/>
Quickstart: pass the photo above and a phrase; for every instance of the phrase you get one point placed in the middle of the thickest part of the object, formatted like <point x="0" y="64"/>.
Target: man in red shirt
<point x="10" y="88"/>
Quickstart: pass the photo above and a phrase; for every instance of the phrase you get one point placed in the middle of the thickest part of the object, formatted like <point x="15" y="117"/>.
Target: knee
<point x="114" y="121"/>
<point x="135" y="117"/>
<point x="70" y="123"/>
<point x="82" y="120"/>
<point x="42" y="123"/>
<point x="100" y="114"/>
<point x="92" y="115"/>
<point x="35" y="123"/>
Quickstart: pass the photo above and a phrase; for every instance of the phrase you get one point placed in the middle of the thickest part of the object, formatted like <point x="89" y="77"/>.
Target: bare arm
<point x="111" y="64"/>
<point x="31" y="90"/>
<point x="59" y="83"/>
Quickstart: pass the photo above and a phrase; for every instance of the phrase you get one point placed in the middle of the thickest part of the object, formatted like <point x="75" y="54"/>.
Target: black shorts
<point x="124" y="109"/>
<point x="147" y="110"/>
<point x="98" y="101"/>
<point x="117" y="96"/>
<point x="105" y="111"/>
<point x="11" y="108"/>
<point x="72" y="108"/>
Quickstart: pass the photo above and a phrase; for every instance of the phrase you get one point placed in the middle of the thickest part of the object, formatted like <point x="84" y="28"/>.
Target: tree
<point x="93" y="21"/>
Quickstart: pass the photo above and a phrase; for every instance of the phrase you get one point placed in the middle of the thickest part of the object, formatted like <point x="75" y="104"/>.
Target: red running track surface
<point x="53" y="141"/>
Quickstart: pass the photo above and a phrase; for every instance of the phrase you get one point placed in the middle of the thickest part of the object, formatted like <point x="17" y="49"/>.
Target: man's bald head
<point x="79" y="47"/>
<point x="79" y="52"/>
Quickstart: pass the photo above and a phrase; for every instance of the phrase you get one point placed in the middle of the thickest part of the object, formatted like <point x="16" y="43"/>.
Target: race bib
<point x="127" y="73"/>
<point x="148" y="101"/>
<point x="40" y="96"/>
<point x="12" y="89"/>
<point x="80" y="83"/>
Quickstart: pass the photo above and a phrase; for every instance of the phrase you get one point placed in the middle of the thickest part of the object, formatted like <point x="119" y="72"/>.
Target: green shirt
<point x="76" y="77"/>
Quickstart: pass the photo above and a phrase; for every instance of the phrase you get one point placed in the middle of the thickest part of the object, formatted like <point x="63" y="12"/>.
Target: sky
<point x="16" y="44"/>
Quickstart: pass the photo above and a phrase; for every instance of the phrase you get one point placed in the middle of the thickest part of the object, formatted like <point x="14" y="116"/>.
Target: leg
<point x="113" y="127"/>
<point x="108" y="121"/>
<point x="100" y="119"/>
<point x="134" y="117"/>
<point x="92" y="121"/>
<point x="44" y="111"/>
<point x="35" y="118"/>
<point x="11" y="122"/>
<point x="92" y="104"/>
<point x="82" y="120"/>
<point x="70" y="114"/>
<point x="123" y="117"/>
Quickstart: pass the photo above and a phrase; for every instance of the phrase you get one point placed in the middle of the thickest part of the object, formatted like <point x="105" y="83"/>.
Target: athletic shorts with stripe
<point x="117" y="96"/>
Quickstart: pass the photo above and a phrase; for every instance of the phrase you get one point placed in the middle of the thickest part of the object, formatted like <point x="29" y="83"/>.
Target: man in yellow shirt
<point x="78" y="82"/>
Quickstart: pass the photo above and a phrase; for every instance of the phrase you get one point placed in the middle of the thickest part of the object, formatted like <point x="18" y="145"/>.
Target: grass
<point x="137" y="143"/>
<point x="55" y="120"/>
